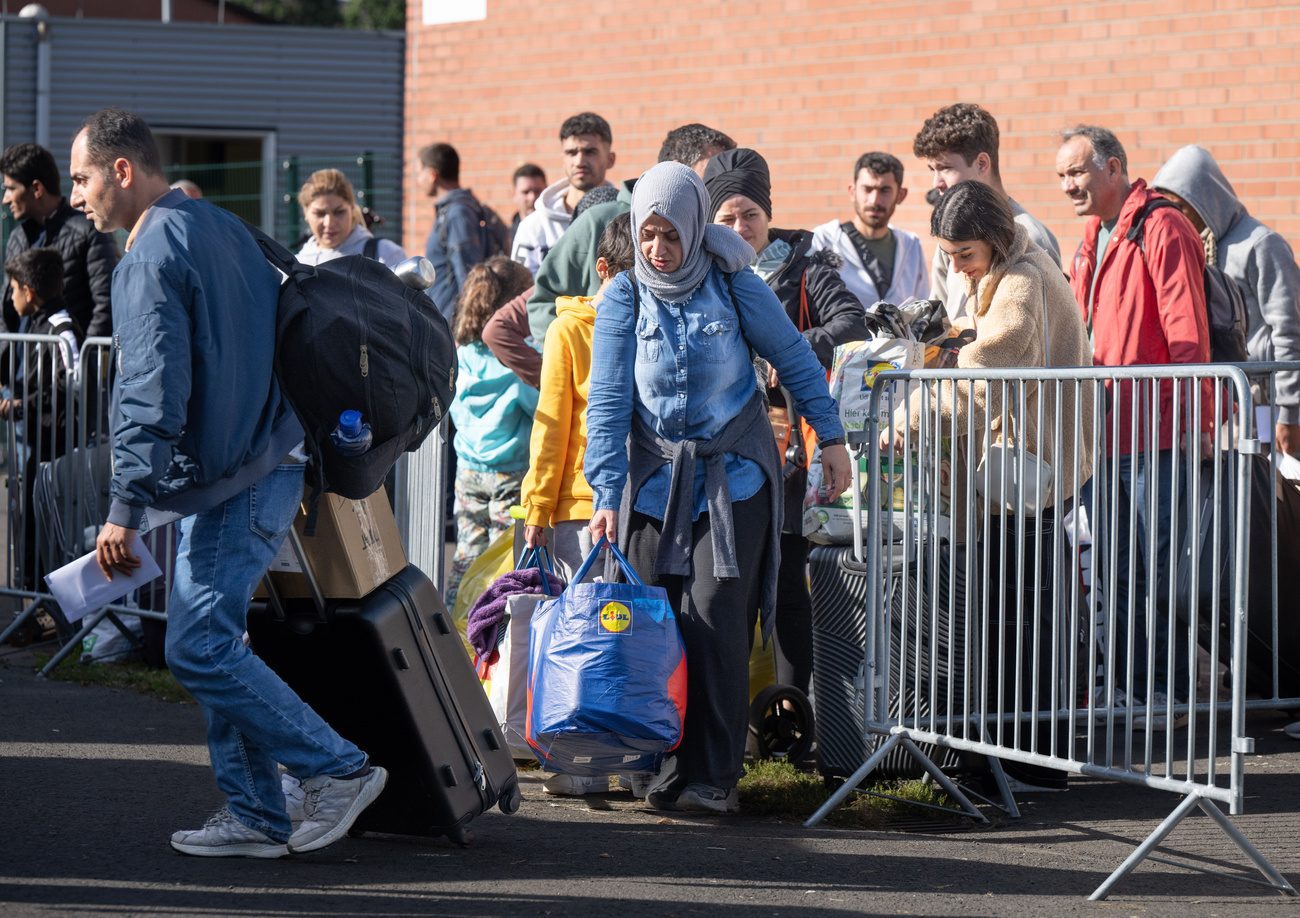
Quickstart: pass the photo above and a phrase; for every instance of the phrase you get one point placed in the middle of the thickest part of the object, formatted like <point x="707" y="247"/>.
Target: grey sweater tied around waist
<point x="748" y="435"/>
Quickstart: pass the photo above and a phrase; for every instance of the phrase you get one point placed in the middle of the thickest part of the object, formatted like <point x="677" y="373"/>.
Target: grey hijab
<point x="677" y="194"/>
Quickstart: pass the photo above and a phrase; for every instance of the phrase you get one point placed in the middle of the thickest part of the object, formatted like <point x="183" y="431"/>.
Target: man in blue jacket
<point x="202" y="431"/>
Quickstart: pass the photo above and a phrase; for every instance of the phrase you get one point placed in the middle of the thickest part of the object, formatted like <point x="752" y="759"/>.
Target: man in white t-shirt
<point x="880" y="262"/>
<point x="959" y="143"/>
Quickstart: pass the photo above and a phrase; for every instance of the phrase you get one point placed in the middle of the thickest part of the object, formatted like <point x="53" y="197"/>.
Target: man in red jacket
<point x="1143" y="301"/>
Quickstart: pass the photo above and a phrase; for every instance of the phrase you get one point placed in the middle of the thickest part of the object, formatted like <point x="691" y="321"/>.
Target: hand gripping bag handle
<point x="618" y="556"/>
<point x="533" y="557"/>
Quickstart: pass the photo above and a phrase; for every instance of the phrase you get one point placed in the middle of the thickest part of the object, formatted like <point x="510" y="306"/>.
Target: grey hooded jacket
<point x="1256" y="257"/>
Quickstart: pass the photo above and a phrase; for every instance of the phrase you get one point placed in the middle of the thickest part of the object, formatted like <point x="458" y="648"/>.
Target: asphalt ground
<point x="95" y="780"/>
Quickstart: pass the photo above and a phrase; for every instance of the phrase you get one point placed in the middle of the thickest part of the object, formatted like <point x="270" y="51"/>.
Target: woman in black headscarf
<point x="826" y="313"/>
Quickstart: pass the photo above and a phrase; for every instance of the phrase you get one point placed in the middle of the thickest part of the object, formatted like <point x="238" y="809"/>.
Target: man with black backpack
<point x="1257" y="259"/>
<point x="464" y="233"/>
<point x="1139" y="278"/>
<point x="202" y="431"/>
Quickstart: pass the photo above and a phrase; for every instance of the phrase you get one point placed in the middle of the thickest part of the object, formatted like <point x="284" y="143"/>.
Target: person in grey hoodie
<point x="1257" y="258"/>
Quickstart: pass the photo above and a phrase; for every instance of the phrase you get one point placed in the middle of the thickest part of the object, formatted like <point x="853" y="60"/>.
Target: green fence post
<point x="291" y="197"/>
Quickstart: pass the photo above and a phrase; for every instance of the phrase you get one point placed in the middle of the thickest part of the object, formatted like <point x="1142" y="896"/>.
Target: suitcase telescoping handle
<point x="313" y="585"/>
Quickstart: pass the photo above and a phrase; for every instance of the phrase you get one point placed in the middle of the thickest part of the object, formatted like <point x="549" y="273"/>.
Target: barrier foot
<point x="20" y="620"/>
<point x="1276" y="880"/>
<point x="1140" y="853"/>
<point x="90" y="622"/>
<point x="1004" y="788"/>
<point x="944" y="781"/>
<point x="853" y="781"/>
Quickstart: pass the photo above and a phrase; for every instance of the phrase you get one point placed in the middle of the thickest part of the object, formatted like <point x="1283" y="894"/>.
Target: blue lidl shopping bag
<point x="606" y="676"/>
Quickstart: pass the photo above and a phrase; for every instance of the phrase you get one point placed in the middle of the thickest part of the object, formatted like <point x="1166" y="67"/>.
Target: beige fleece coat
<point x="1010" y="304"/>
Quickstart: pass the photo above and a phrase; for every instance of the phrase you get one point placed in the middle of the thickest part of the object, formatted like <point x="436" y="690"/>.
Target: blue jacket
<point x="456" y="244"/>
<point x="686" y="370"/>
<point x="198" y="415"/>
<point x="493" y="412"/>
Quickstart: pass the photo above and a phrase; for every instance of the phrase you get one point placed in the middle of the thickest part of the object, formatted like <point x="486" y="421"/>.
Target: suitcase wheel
<point x="780" y="724"/>
<point x="462" y="835"/>
<point x="510" y="799"/>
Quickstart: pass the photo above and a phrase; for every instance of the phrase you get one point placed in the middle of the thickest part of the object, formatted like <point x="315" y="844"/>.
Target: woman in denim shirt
<point x="694" y="496"/>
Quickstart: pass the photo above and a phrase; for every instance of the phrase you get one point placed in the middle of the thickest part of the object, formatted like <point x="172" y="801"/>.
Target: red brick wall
<point x="812" y="84"/>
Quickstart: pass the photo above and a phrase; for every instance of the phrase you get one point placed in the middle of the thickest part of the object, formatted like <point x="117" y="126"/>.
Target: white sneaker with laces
<point x="331" y="805"/>
<point x="574" y="785"/>
<point x="1101" y="712"/>
<point x="1159" y="715"/>
<point x="225" y="836"/>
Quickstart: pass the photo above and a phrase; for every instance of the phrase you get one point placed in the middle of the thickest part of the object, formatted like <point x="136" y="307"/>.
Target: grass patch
<point x="779" y="790"/>
<point x="138" y="677"/>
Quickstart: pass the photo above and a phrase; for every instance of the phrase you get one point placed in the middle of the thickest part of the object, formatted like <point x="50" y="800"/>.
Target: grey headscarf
<point x="675" y="192"/>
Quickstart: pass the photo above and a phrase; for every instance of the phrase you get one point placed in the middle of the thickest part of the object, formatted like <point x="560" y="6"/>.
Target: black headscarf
<point x="734" y="172"/>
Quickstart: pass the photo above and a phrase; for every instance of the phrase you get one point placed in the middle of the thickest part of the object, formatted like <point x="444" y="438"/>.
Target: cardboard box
<point x="355" y="549"/>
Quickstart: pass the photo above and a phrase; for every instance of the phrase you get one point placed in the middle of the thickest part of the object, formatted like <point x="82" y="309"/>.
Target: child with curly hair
<point x="493" y="413"/>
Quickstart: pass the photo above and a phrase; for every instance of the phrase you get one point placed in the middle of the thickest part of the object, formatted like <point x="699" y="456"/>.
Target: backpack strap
<point x="371" y="249"/>
<point x="276" y="254"/>
<point x="1137" y="230"/>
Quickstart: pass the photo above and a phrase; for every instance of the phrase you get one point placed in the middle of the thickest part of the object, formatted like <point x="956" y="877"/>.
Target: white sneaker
<point x="574" y="785"/>
<point x="331" y="805"/>
<point x="225" y="836"/>
<point x="1292" y="730"/>
<point x="1101" y="712"/>
<point x="294" y="798"/>
<point x="1159" y="719"/>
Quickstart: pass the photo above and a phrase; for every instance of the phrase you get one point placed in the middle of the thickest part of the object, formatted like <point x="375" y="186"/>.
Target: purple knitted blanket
<point x="487" y="613"/>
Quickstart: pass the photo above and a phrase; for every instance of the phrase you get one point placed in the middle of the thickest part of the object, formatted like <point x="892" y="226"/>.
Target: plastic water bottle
<point x="351" y="437"/>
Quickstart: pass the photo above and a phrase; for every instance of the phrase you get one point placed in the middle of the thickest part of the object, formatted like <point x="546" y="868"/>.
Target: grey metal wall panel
<point x="325" y="92"/>
<point x="19" y="80"/>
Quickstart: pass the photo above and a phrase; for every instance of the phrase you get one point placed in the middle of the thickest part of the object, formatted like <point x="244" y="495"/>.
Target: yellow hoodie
<point x="555" y="490"/>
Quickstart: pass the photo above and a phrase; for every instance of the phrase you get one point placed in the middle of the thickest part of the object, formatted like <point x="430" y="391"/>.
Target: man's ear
<point x="123" y="172"/>
<point x="984" y="163"/>
<point x="902" y="196"/>
<point x="602" y="268"/>
<point x="37" y="188"/>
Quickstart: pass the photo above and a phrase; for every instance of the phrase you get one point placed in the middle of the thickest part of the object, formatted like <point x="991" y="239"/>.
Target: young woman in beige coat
<point x="1026" y="316"/>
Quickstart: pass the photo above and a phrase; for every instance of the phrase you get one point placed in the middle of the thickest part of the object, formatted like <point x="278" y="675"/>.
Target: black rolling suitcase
<point x="390" y="673"/>
<point x="839" y="600"/>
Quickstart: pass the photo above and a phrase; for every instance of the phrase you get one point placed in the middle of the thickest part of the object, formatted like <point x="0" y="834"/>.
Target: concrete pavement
<point x="95" y="780"/>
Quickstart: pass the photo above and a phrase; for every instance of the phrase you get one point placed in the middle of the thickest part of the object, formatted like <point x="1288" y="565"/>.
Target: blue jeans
<point x="1135" y="475"/>
<point x="254" y="720"/>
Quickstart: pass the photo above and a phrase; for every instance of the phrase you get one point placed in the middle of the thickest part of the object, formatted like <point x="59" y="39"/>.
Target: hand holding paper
<point x="82" y="587"/>
<point x="113" y="550"/>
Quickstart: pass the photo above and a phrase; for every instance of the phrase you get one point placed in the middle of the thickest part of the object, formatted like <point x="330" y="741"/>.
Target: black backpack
<point x="351" y="335"/>
<point x="494" y="234"/>
<point x="1225" y="306"/>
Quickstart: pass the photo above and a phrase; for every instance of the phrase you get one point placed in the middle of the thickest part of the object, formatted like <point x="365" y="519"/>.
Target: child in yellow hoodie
<point x="555" y="492"/>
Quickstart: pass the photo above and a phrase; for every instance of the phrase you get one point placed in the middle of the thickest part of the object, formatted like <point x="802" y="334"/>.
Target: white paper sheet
<point x="81" y="587"/>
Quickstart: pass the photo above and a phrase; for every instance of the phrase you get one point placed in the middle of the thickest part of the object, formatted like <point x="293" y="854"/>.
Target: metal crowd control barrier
<point x="37" y="372"/>
<point x="61" y="482"/>
<point x="1043" y="665"/>
<point x="421" y="509"/>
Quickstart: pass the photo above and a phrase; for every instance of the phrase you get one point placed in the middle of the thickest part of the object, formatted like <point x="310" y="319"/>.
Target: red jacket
<point x="1149" y="310"/>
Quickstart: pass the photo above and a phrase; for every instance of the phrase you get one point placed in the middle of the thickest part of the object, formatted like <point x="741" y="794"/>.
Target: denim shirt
<point x="454" y="246"/>
<point x="685" y="368"/>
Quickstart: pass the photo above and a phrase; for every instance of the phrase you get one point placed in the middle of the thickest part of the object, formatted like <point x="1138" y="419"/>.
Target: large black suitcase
<point x="839" y="598"/>
<point x="389" y="673"/>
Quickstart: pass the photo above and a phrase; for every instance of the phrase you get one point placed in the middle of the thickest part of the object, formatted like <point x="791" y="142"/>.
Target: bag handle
<point x="533" y="557"/>
<point x="618" y="556"/>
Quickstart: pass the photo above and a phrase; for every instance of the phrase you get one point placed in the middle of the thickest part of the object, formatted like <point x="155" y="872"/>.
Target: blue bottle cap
<point x="350" y="421"/>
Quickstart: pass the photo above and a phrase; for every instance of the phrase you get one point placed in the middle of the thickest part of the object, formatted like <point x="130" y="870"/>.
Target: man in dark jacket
<point x="457" y="240"/>
<point x="45" y="218"/>
<point x="202" y="431"/>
